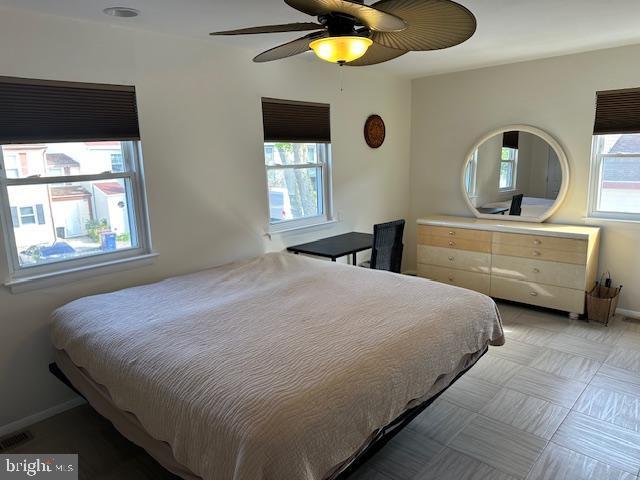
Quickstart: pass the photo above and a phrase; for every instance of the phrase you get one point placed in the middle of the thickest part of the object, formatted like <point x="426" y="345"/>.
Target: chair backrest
<point x="516" y="205"/>
<point x="387" y="246"/>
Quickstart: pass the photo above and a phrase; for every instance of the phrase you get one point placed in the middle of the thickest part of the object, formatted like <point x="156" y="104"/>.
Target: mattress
<point x="277" y="367"/>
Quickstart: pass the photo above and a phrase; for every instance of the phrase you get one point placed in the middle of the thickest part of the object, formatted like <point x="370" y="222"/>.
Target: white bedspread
<point x="275" y="368"/>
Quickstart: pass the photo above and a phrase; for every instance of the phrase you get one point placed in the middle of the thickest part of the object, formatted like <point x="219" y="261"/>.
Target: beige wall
<point x="450" y="113"/>
<point x="201" y="124"/>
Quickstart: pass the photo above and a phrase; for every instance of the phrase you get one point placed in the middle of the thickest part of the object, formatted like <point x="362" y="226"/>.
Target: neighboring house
<point x="623" y="172"/>
<point x="61" y="164"/>
<point x="105" y="156"/>
<point x="31" y="216"/>
<point x="110" y="203"/>
<point x="72" y="209"/>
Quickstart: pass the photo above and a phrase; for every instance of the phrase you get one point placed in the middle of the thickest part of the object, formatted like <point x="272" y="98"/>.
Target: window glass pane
<point x="77" y="219"/>
<point x="506" y="174"/>
<point x="294" y="193"/>
<point x="290" y="153"/>
<point x="63" y="159"/>
<point x="619" y="181"/>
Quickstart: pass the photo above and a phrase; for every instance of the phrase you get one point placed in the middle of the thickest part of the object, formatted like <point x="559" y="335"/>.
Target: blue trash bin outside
<point x="107" y="241"/>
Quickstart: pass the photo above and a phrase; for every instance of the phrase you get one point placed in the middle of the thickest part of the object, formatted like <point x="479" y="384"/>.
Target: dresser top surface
<point x="545" y="229"/>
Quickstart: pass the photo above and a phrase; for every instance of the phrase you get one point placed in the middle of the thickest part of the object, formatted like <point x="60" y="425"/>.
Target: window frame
<point x="324" y="163"/>
<point x="21" y="215"/>
<point x="138" y="215"/>
<point x="595" y="175"/>
<point x="471" y="175"/>
<point x="514" y="170"/>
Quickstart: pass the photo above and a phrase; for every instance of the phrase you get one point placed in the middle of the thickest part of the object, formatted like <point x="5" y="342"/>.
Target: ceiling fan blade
<point x="376" y="54"/>
<point x="289" y="49"/>
<point x="370" y="17"/>
<point x="287" y="27"/>
<point x="433" y="24"/>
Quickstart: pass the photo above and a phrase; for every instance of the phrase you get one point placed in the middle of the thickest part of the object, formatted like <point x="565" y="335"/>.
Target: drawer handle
<point x="536" y="270"/>
<point x="537" y="242"/>
<point x="452" y="233"/>
<point x="451" y="259"/>
<point x="536" y="253"/>
<point x="533" y="294"/>
<point x="452" y="244"/>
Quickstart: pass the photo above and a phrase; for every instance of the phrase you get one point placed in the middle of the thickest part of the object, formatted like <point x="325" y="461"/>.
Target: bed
<point x="277" y="367"/>
<point x="531" y="206"/>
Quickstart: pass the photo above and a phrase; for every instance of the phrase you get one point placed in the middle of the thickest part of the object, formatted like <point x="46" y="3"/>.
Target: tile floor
<point x="559" y="401"/>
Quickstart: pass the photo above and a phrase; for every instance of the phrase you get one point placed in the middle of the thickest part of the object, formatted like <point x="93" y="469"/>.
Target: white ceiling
<point x="508" y="30"/>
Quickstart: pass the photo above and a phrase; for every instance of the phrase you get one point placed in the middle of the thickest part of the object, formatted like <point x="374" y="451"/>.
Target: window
<point x="12" y="168"/>
<point x="91" y="213"/>
<point x="117" y="162"/>
<point x="69" y="203"/>
<point x="508" y="168"/>
<point x="297" y="153"/>
<point x="615" y="176"/>
<point x="296" y="179"/>
<point x="615" y="163"/>
<point x="470" y="174"/>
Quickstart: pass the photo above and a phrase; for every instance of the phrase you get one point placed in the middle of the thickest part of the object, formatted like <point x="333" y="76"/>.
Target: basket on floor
<point x="602" y="302"/>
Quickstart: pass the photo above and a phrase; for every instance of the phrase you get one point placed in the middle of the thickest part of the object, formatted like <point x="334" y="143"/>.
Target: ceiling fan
<point x="355" y="34"/>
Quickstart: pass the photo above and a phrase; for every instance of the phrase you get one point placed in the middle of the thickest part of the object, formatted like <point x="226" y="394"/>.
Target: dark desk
<point x="493" y="210"/>
<point x="336" y="247"/>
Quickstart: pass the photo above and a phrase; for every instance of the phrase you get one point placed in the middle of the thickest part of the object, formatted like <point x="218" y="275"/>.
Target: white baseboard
<point x="38" y="417"/>
<point x="628" y="313"/>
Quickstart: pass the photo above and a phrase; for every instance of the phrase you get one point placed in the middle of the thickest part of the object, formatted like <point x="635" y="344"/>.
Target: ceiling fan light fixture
<point x="341" y="49"/>
<point x="123" y="12"/>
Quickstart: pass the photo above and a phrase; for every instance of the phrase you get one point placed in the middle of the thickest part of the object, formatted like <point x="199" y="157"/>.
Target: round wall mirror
<point x="516" y="173"/>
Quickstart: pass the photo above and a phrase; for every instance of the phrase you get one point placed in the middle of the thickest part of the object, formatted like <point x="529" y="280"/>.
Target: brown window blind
<point x="617" y="111"/>
<point x="289" y="121"/>
<point x="52" y="111"/>
<point x="511" y="139"/>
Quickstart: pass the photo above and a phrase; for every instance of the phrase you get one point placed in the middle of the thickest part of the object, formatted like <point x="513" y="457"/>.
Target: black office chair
<point x="387" y="246"/>
<point x="516" y="205"/>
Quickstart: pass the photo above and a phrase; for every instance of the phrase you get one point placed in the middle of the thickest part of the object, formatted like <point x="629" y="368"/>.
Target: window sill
<point x="298" y="228"/>
<point x="603" y="220"/>
<point x="34" y="282"/>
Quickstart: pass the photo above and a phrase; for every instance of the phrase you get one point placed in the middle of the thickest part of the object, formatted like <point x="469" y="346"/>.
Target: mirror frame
<point x="564" y="165"/>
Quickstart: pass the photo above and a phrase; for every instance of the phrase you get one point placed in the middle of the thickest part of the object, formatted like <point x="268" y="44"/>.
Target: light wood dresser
<point x="541" y="264"/>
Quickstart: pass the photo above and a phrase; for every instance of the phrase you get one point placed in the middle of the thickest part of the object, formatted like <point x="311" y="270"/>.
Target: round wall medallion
<point x="374" y="131"/>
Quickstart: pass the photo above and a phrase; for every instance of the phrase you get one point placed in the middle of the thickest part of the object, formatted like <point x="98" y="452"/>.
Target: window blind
<point x="52" y="111"/>
<point x="617" y="111"/>
<point x="511" y="139"/>
<point x="289" y="121"/>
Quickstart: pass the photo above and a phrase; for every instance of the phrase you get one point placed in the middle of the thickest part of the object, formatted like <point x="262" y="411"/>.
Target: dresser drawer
<point x="539" y="241"/>
<point x="459" y="259"/>
<point x="451" y="232"/>
<point x="577" y="258"/>
<point x="538" y="271"/>
<point x="473" y="281"/>
<point x="457" y="243"/>
<point x="560" y="298"/>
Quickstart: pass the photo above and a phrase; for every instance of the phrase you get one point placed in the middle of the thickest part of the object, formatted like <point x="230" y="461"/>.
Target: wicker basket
<point x="602" y="303"/>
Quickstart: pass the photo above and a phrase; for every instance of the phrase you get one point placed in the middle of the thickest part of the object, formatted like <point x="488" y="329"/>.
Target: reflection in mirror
<point x="513" y="173"/>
